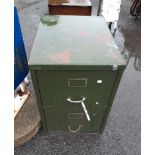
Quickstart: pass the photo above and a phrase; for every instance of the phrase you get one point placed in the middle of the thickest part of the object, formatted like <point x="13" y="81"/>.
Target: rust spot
<point x="103" y="38"/>
<point x="83" y="34"/>
<point x="114" y="55"/>
<point x="62" y="57"/>
<point x="68" y="40"/>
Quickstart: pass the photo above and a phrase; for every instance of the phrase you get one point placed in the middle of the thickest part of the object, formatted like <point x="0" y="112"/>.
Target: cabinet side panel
<point x="115" y="87"/>
<point x="37" y="92"/>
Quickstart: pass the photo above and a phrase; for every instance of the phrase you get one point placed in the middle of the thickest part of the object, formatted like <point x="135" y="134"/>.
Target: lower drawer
<point x="73" y="118"/>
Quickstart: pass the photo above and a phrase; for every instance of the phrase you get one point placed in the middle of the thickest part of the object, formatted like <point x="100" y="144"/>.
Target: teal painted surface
<point x="74" y="41"/>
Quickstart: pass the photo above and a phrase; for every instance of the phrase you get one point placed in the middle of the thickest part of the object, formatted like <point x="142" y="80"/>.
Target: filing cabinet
<point x="76" y="70"/>
<point x="70" y="7"/>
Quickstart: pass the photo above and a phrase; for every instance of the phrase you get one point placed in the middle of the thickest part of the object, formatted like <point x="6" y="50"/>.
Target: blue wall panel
<point x="20" y="60"/>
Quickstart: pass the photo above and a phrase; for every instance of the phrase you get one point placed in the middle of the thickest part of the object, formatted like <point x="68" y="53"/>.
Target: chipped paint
<point x="113" y="45"/>
<point x="68" y="40"/>
<point x="66" y="29"/>
<point x="83" y="34"/>
<point x="81" y="45"/>
<point x="62" y="38"/>
<point x="76" y="50"/>
<point x="115" y="55"/>
<point x="62" y="57"/>
<point x="103" y="38"/>
<point x="107" y="55"/>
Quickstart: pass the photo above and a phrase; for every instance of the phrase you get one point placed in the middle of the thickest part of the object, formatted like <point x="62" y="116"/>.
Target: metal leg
<point x="110" y="23"/>
<point x="115" y="27"/>
<point x="99" y="7"/>
<point x="115" y="24"/>
<point x="114" y="32"/>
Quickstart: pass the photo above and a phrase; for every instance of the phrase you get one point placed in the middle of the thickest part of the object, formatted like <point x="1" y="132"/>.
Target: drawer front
<point x="73" y="119"/>
<point x="56" y="87"/>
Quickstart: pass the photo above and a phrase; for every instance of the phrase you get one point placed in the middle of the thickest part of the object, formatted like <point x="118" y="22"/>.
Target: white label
<point x="97" y="103"/>
<point x="99" y="81"/>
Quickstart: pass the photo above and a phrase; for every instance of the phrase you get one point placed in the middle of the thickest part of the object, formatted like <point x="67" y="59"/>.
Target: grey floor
<point x="123" y="129"/>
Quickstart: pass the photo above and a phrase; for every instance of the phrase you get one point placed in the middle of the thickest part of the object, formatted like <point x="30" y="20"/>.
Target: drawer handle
<point x="74" y="131"/>
<point x="83" y="106"/>
<point x="79" y="101"/>
<point x="77" y="82"/>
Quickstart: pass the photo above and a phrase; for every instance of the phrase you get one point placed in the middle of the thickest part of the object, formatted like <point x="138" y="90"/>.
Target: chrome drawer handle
<point x="83" y="99"/>
<point x="83" y="106"/>
<point x="76" y="130"/>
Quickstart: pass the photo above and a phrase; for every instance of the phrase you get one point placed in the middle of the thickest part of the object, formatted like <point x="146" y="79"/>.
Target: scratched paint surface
<point x="70" y="40"/>
<point x="70" y="2"/>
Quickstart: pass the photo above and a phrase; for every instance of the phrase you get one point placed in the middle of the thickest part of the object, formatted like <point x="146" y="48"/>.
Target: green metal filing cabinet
<point x="76" y="68"/>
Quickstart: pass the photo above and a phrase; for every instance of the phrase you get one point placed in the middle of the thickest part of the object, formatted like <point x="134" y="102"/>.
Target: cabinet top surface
<point x="74" y="40"/>
<point x="70" y="2"/>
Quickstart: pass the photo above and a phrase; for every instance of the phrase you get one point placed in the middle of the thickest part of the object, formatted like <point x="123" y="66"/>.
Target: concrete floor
<point x="123" y="129"/>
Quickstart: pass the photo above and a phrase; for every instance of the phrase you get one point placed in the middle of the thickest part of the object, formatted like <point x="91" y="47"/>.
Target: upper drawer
<point x="56" y="87"/>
